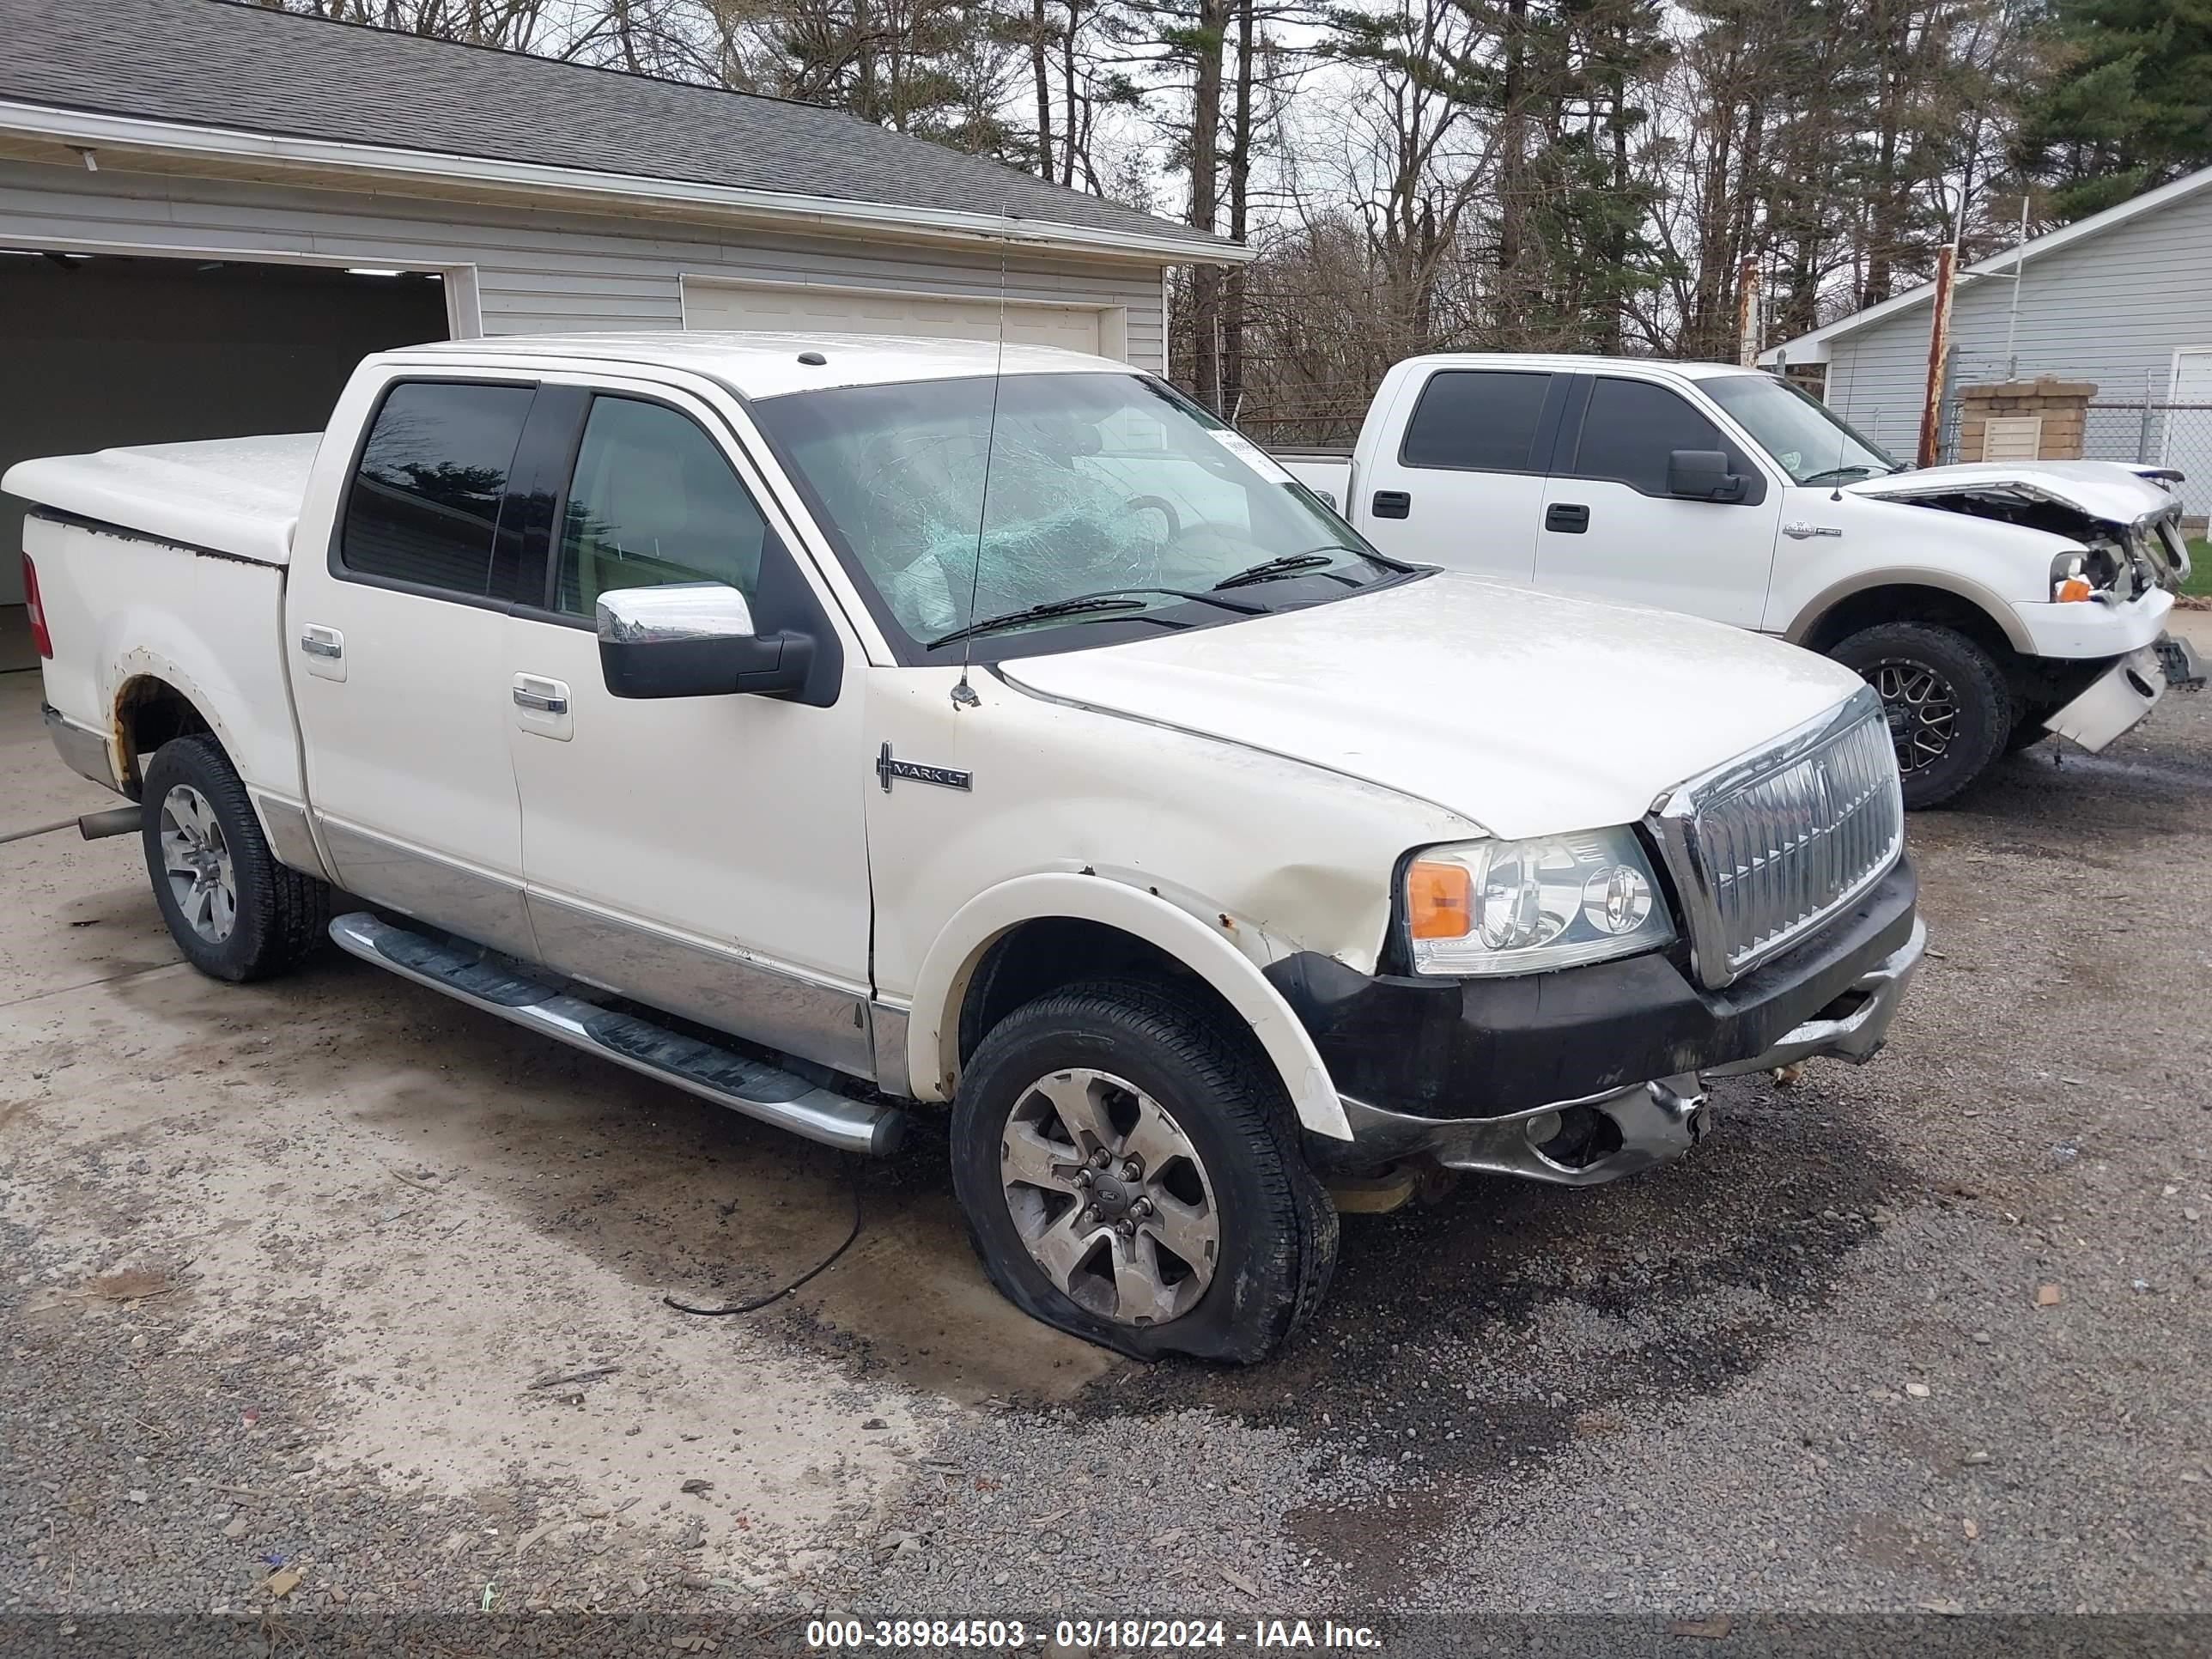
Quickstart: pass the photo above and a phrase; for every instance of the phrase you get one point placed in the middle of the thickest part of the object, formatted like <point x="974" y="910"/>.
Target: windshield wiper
<point x="1285" y="564"/>
<point x="1107" y="598"/>
<point x="1839" y="475"/>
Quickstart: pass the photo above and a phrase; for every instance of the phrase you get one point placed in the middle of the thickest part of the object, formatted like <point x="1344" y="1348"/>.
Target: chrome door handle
<point x="545" y="702"/>
<point x="322" y="642"/>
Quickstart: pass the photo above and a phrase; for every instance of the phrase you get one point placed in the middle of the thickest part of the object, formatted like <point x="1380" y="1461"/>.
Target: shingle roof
<point x="214" y="64"/>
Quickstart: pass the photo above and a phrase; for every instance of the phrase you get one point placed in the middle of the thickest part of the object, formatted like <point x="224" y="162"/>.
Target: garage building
<point x="209" y="211"/>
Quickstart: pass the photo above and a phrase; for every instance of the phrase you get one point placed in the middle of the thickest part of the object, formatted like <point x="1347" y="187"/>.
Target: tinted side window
<point x="424" y="505"/>
<point x="1482" y="419"/>
<point x="1632" y="426"/>
<point x="653" y="501"/>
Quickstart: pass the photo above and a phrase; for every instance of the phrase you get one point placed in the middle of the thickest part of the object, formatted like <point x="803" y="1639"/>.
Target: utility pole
<point x="1939" y="350"/>
<point x="1747" y="314"/>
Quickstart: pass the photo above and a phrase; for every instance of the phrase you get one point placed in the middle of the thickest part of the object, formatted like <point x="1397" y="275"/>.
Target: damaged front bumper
<point x="2121" y="698"/>
<point x="1589" y="1073"/>
<point x="1603" y="1137"/>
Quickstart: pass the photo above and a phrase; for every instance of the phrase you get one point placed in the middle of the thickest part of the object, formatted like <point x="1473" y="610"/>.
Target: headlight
<point x="1524" y="907"/>
<point x="2069" y="579"/>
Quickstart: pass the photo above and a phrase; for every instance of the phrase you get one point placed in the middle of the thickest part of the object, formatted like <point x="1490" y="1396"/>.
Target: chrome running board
<point x="751" y="1087"/>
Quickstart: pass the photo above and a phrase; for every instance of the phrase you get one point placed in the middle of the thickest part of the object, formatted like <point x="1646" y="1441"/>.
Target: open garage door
<point x="744" y="306"/>
<point x="97" y="351"/>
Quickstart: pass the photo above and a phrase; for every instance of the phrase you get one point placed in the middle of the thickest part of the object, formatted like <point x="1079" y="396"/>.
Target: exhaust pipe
<point x="117" y="821"/>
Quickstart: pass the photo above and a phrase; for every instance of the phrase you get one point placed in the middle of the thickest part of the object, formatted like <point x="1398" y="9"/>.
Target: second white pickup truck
<point x="1988" y="605"/>
<point x="842" y="729"/>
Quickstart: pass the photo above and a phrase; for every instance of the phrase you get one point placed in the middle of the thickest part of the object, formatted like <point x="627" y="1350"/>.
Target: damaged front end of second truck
<point x="2103" y="660"/>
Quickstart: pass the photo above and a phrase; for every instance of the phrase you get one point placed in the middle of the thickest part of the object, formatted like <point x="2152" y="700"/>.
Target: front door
<point x="395" y="638"/>
<point x="1611" y="531"/>
<point x="1466" y="484"/>
<point x="706" y="855"/>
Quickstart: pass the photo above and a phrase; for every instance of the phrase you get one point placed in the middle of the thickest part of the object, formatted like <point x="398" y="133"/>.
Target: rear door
<point x="1465" y="485"/>
<point x="396" y="639"/>
<point x="707" y="854"/>
<point x="1610" y="529"/>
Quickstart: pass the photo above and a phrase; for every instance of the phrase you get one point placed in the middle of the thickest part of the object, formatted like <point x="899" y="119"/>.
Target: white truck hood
<point x="235" y="495"/>
<point x="2105" y="490"/>
<point x="1530" y="713"/>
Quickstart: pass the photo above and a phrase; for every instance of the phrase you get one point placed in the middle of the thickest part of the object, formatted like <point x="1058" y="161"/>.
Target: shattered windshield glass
<point x="1096" y="484"/>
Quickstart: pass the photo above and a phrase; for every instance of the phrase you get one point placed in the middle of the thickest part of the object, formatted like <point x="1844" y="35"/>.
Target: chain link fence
<point x="2153" y="434"/>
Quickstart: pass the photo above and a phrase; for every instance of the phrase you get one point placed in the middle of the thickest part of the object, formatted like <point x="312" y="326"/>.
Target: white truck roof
<point x="1578" y="362"/>
<point x="767" y="365"/>
<point x="235" y="495"/>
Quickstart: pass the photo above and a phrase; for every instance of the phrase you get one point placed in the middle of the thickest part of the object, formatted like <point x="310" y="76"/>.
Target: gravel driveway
<point x="329" y="1294"/>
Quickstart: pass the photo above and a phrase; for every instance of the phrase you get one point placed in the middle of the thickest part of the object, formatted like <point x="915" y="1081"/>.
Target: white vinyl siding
<point x="2110" y="309"/>
<point x="708" y="304"/>
<point x="536" y="271"/>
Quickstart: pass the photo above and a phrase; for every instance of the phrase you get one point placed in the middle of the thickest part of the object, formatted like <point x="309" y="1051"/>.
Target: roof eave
<point x="98" y="129"/>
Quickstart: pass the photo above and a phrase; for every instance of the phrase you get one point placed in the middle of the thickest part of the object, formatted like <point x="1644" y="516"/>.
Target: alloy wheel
<point x="195" y="859"/>
<point x="1921" y="709"/>
<point x="1110" y="1197"/>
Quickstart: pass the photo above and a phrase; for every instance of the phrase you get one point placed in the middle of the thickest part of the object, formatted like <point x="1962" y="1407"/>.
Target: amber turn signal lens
<point x="1440" y="901"/>
<point x="2072" y="590"/>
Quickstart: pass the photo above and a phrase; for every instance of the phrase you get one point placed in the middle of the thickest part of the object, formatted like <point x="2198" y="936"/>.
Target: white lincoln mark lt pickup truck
<point x="835" y="729"/>
<point x="1989" y="605"/>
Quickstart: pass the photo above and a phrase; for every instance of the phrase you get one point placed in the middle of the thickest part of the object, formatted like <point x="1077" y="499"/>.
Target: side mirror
<point x="1702" y="475"/>
<point x="694" y="640"/>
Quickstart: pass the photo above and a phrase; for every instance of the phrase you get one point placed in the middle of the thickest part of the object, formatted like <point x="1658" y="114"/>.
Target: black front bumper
<point x="1487" y="1048"/>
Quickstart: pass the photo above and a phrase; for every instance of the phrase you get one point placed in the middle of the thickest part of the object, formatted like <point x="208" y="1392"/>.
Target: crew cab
<point x="1989" y="605"/>
<point x="847" y="729"/>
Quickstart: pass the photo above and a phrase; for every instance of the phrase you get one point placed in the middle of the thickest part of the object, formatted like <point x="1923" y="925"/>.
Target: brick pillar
<point x="2059" y="404"/>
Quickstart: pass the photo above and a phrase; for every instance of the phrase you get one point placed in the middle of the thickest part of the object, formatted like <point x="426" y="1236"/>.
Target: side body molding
<point x="933" y="1032"/>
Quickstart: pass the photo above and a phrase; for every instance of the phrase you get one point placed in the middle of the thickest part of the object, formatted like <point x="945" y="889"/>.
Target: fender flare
<point x="1987" y="601"/>
<point x="933" y="1024"/>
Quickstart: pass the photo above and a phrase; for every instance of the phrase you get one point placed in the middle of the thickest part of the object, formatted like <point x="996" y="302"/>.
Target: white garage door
<point x="708" y="305"/>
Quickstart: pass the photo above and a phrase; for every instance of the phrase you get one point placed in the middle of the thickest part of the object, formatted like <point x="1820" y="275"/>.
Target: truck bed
<point x="166" y="564"/>
<point x="1327" y="473"/>
<point x="238" y="497"/>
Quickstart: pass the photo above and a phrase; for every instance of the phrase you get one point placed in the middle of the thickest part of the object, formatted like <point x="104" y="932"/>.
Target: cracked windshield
<point x="1099" y="497"/>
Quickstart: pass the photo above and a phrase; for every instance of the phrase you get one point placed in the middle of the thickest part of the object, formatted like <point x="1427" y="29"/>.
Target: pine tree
<point x="2130" y="106"/>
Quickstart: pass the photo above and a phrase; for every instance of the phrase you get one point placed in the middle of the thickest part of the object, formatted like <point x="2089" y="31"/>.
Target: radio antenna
<point x="964" y="694"/>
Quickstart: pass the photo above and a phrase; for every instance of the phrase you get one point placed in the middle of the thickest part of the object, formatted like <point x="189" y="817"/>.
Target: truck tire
<point x="234" y="911"/>
<point x="1130" y="1173"/>
<point x="1949" y="709"/>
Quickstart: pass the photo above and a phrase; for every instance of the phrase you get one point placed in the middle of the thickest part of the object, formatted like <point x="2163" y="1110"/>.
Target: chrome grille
<point x="1766" y="848"/>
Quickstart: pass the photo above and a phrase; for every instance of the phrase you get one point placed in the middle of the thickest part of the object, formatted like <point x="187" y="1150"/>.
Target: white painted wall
<point x="534" y="272"/>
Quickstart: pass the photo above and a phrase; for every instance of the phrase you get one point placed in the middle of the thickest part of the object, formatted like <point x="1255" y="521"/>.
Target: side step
<point x="751" y="1086"/>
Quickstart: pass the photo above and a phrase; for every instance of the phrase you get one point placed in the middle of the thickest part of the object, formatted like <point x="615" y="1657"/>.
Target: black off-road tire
<point x="1983" y="703"/>
<point x="1278" y="1228"/>
<point x="282" y="915"/>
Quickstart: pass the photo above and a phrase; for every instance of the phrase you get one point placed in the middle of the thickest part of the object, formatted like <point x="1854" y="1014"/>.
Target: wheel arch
<point x="1923" y="596"/>
<point x="149" y="708"/>
<point x="1097" y="918"/>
